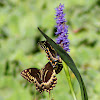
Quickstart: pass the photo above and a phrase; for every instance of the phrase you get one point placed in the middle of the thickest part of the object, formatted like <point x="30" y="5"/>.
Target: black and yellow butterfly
<point x="44" y="78"/>
<point x="52" y="55"/>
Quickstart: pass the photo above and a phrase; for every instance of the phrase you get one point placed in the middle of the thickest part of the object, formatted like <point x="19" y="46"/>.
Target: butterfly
<point x="52" y="55"/>
<point x="44" y="79"/>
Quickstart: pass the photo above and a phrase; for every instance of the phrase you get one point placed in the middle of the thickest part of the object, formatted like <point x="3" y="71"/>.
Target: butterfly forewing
<point x="31" y="74"/>
<point x="47" y="72"/>
<point x="49" y="77"/>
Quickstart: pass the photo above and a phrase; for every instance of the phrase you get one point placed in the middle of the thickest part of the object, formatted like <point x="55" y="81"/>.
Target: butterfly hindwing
<point x="58" y="68"/>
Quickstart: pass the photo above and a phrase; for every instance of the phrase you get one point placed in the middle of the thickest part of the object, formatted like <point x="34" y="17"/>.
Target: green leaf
<point x="68" y="60"/>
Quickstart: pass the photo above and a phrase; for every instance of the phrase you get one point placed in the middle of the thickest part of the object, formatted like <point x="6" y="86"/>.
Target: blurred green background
<point x="19" y="20"/>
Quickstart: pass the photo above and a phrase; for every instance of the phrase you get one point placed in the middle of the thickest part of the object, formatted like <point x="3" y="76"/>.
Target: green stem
<point x="48" y="97"/>
<point x="69" y="79"/>
<point x="35" y="95"/>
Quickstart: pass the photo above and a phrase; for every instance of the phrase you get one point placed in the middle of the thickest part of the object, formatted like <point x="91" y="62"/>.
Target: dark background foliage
<point x="19" y="20"/>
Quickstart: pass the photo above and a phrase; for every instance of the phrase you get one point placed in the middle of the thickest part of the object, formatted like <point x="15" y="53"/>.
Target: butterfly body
<point x="44" y="79"/>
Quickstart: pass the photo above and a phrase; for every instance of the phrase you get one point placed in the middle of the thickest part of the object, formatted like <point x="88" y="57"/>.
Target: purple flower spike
<point x="62" y="29"/>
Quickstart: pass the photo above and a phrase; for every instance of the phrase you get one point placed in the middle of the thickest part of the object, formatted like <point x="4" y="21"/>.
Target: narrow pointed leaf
<point x="68" y="60"/>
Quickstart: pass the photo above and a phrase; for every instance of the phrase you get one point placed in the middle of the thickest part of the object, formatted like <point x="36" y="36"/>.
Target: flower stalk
<point x="63" y="41"/>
